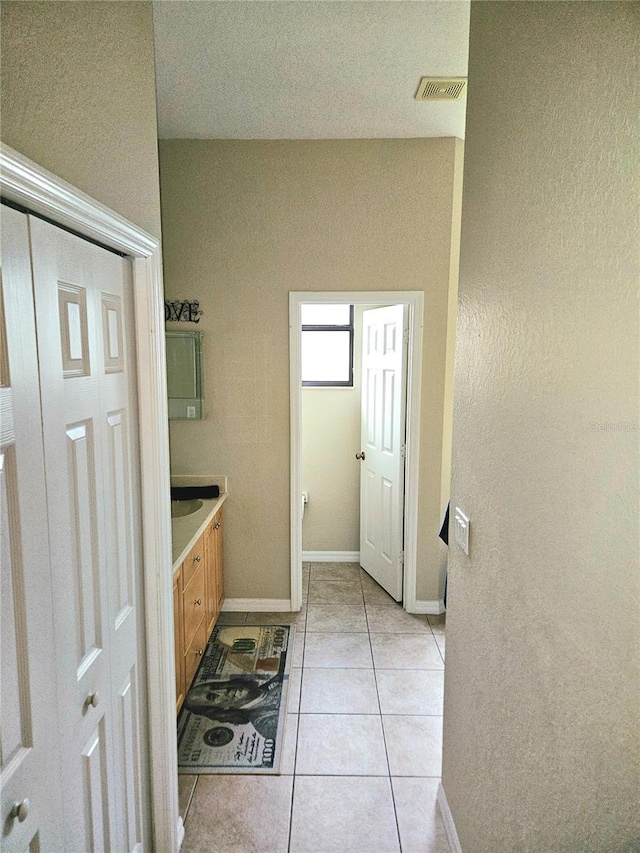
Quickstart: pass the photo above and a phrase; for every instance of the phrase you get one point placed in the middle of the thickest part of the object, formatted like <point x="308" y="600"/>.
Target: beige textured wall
<point x="330" y="471"/>
<point x="78" y="97"/>
<point x="244" y="223"/>
<point x="541" y="728"/>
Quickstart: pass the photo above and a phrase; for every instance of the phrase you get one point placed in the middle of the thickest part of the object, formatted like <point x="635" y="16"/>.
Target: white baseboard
<point x="180" y="832"/>
<point x="257" y="605"/>
<point x="447" y="819"/>
<point x="431" y="608"/>
<point x="331" y="557"/>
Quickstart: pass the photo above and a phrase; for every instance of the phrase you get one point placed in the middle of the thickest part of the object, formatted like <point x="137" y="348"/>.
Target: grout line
<point x="190" y="800"/>
<point x="293" y="787"/>
<point x="295" y="754"/>
<point x="360" y="776"/>
<point x="352" y="714"/>
<point x="384" y="738"/>
<point x="358" y="714"/>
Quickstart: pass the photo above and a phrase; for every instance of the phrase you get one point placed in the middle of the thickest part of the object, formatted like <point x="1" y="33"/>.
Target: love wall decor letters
<point x="182" y="312"/>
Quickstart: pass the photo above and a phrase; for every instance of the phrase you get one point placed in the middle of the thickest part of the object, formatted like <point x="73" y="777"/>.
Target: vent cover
<point x="440" y="88"/>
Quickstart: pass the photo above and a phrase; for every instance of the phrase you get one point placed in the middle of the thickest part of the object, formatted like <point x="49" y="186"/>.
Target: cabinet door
<point x="194" y="652"/>
<point x="194" y="604"/>
<point x="219" y="561"/>
<point x="179" y="637"/>
<point x="29" y="763"/>
<point x="211" y="557"/>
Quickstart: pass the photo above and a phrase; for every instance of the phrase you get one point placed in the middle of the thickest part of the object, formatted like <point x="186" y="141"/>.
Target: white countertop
<point x="186" y="531"/>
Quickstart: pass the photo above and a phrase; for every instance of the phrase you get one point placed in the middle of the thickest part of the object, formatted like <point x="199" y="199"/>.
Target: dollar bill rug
<point x="232" y="719"/>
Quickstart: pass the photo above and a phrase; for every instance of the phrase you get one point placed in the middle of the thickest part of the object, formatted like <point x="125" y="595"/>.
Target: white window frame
<point x="327" y="327"/>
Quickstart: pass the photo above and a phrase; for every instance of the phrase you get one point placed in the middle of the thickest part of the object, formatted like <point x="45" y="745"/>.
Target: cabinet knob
<point x="200" y="652"/>
<point x="197" y="559"/>
<point x="198" y="602"/>
<point x="216" y="526"/>
<point x="21" y="810"/>
<point x="92" y="700"/>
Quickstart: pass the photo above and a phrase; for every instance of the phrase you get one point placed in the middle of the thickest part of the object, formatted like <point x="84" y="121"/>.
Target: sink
<point x="181" y="508"/>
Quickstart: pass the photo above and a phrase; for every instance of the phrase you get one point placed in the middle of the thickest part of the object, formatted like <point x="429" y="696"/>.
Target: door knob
<point x="92" y="700"/>
<point x="21" y="809"/>
<point x="360" y="455"/>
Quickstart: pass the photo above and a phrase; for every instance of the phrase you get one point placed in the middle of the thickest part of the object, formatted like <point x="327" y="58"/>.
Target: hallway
<point x="362" y="753"/>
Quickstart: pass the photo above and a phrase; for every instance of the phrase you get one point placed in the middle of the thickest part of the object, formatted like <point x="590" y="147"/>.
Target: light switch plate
<point x="461" y="527"/>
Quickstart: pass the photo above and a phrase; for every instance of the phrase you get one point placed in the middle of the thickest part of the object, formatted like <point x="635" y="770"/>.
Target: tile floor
<point x="362" y="751"/>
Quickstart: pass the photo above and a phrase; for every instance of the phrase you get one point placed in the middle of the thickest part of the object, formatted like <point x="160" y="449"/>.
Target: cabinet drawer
<point x="194" y="653"/>
<point x="193" y="561"/>
<point x="194" y="604"/>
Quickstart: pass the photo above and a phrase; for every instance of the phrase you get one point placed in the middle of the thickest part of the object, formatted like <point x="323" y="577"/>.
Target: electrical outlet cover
<point x="461" y="527"/>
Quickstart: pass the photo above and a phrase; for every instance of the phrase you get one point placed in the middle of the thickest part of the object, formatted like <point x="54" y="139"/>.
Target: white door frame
<point x="414" y="299"/>
<point x="27" y="184"/>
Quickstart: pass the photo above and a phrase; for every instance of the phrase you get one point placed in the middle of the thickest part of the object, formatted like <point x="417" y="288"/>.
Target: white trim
<point x="257" y="605"/>
<point x="331" y="556"/>
<point x="447" y="820"/>
<point x="180" y="831"/>
<point x="432" y="608"/>
<point x="414" y="299"/>
<point x="295" y="410"/>
<point x="27" y="184"/>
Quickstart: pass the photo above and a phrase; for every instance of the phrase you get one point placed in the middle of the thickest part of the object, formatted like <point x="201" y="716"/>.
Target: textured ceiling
<point x="309" y="69"/>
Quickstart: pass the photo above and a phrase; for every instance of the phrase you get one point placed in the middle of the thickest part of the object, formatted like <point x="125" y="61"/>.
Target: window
<point x="327" y="345"/>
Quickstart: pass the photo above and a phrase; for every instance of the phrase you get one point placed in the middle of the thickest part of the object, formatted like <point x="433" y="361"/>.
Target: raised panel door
<point x="84" y="311"/>
<point x="384" y="361"/>
<point x="29" y="759"/>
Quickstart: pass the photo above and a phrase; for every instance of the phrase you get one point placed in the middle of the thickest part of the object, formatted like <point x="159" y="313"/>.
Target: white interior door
<point x="384" y="365"/>
<point x="28" y="740"/>
<point x="84" y="317"/>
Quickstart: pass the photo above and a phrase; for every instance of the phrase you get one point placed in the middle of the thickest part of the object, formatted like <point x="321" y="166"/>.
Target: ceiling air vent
<point x="440" y="88"/>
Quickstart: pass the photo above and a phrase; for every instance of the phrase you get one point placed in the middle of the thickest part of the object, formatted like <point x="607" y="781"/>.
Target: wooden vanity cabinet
<point x="197" y="599"/>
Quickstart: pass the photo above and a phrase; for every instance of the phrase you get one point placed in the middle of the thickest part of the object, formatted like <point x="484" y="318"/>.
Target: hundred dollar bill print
<point x="232" y="719"/>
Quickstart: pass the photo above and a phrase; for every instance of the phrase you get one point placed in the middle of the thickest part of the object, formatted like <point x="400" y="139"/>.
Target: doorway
<point x="413" y="308"/>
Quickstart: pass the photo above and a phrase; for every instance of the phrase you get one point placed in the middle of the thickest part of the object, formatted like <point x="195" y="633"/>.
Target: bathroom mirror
<point x="185" y="380"/>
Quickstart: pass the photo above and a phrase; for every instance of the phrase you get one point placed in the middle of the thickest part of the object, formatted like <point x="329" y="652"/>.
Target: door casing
<point x="27" y="184"/>
<point x="414" y="299"/>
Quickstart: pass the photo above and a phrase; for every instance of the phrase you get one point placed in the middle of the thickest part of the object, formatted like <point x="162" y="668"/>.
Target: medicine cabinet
<point x="185" y="379"/>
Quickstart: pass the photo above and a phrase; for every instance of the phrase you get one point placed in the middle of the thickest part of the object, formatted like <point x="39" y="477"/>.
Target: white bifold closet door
<point x="84" y="321"/>
<point x="29" y="753"/>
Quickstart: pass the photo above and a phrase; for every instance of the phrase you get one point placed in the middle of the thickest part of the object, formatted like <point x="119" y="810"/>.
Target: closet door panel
<point x="94" y="761"/>
<point x="29" y="767"/>
<point x="82" y="293"/>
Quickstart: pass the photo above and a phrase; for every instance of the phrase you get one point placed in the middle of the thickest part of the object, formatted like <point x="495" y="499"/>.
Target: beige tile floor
<point x="361" y="757"/>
